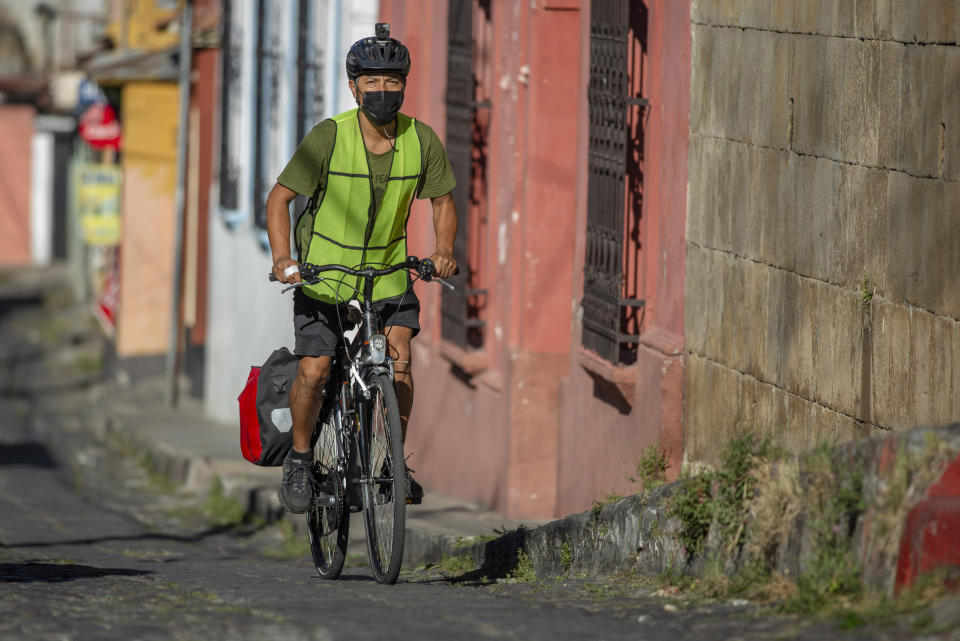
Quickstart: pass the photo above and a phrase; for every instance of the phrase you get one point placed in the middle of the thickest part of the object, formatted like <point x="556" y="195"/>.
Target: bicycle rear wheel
<point x="385" y="489"/>
<point x="328" y="520"/>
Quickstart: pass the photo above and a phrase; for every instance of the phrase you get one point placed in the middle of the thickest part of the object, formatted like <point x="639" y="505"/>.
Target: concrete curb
<point x="238" y="481"/>
<point x="636" y="534"/>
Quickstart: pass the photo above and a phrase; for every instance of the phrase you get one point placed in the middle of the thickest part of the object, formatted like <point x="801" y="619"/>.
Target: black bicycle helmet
<point x="380" y="53"/>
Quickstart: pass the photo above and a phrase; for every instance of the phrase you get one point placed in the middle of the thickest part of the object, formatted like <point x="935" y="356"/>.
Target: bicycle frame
<point x="361" y="454"/>
<point x="348" y="386"/>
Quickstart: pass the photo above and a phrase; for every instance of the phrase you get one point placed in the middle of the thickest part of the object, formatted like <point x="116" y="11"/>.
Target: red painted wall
<point x="459" y="432"/>
<point x="203" y="98"/>
<point x="16" y="135"/>
<point x="601" y="442"/>
<point x="517" y="425"/>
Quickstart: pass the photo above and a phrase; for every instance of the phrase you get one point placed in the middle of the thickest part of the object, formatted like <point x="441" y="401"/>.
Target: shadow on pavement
<point x="36" y="572"/>
<point x="51" y="389"/>
<point x="237" y="530"/>
<point x="26" y="454"/>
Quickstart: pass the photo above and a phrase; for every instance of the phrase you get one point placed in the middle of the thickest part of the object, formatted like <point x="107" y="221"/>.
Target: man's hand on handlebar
<point x="444" y="264"/>
<point x="286" y="270"/>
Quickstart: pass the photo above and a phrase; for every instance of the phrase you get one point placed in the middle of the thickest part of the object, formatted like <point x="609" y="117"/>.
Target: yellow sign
<point x="97" y="198"/>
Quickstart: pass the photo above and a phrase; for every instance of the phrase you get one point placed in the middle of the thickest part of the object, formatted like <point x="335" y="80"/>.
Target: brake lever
<point x="314" y="281"/>
<point x="445" y="283"/>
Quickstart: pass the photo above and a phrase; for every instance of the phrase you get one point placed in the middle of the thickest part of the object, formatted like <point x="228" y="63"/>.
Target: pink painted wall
<point x="601" y="442"/>
<point x="522" y="431"/>
<point x="16" y="134"/>
<point x="492" y="437"/>
<point x="459" y="432"/>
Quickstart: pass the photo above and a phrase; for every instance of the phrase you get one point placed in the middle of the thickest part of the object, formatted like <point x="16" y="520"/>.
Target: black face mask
<point x="382" y="107"/>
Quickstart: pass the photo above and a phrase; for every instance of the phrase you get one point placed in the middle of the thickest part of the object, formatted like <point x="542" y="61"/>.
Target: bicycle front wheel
<point x="328" y="519"/>
<point x="385" y="482"/>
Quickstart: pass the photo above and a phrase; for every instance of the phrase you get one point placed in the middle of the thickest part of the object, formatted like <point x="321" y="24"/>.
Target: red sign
<point x="100" y="128"/>
<point x="107" y="299"/>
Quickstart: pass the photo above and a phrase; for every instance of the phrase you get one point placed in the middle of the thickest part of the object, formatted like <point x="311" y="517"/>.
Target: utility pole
<point x="173" y="348"/>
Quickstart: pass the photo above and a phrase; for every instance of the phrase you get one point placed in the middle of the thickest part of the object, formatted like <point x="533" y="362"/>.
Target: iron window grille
<point x="265" y="66"/>
<point x="612" y="308"/>
<point x="266" y="117"/>
<point x="467" y="124"/>
<point x="230" y="97"/>
<point x="309" y="70"/>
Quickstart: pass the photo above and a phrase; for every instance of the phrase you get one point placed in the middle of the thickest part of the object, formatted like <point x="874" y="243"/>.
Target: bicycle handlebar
<point x="424" y="267"/>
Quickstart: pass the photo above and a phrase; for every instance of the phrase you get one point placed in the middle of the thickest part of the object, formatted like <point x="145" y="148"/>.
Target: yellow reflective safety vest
<point x="347" y="230"/>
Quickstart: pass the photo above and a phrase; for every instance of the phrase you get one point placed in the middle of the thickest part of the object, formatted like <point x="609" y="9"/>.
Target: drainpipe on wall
<point x="173" y="351"/>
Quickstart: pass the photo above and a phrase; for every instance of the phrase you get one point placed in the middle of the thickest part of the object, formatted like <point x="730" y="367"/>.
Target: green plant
<point x="735" y="483"/>
<point x="866" y="294"/>
<point x="87" y="363"/>
<point x="566" y="556"/>
<point x="597" y="507"/>
<point x="456" y="565"/>
<point x="835" y="500"/>
<point x="523" y="571"/>
<point x="692" y="504"/>
<point x="720" y="496"/>
<point x="652" y="468"/>
<point x="221" y="509"/>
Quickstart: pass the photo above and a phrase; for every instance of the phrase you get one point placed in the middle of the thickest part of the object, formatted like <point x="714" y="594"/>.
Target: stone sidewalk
<point x="196" y="453"/>
<point x="909" y="483"/>
<point x="633" y="534"/>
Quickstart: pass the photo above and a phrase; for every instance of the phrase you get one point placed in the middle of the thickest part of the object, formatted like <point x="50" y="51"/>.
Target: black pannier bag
<point x="266" y="426"/>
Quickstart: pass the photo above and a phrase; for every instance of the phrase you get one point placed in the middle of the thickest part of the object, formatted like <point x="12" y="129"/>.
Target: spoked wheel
<point x="328" y="520"/>
<point x="385" y="491"/>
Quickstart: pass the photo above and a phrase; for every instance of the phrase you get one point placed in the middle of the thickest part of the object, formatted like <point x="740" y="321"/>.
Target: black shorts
<point x="317" y="325"/>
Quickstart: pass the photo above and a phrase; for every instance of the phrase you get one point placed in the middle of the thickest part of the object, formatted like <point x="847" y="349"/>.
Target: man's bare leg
<point x="306" y="396"/>
<point x="398" y="339"/>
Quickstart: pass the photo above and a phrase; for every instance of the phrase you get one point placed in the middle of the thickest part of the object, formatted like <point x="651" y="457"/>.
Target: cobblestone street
<point x="92" y="550"/>
<point x="95" y="546"/>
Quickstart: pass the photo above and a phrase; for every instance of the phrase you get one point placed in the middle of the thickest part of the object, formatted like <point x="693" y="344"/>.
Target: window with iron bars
<point x="266" y="73"/>
<point x="467" y="126"/>
<point x="612" y="306"/>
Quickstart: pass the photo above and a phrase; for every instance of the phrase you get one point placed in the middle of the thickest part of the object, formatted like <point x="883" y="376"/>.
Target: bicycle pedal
<point x="325" y="500"/>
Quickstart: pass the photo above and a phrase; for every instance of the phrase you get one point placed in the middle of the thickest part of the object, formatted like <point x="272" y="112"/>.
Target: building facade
<point x="679" y="220"/>
<point x="561" y="358"/>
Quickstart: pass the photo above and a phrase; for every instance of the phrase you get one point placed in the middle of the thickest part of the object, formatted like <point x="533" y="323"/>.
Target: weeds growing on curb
<point x="719" y="497"/>
<point x="652" y="468"/>
<point x="746" y="509"/>
<point x="523" y="571"/>
<point x="692" y="504"/>
<point x="834" y="501"/>
<point x="566" y="556"/>
<point x="221" y="509"/>
<point x="456" y="565"/>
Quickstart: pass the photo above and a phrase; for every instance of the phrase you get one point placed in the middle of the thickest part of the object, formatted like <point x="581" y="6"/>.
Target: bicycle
<point x="358" y="450"/>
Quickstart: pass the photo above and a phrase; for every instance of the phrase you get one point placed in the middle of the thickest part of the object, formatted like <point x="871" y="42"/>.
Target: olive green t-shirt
<point x="306" y="173"/>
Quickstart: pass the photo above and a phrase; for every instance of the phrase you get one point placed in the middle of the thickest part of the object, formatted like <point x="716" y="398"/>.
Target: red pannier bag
<point x="265" y="421"/>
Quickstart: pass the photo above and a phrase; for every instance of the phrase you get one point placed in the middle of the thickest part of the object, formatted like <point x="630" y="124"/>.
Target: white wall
<point x="248" y="316"/>
<point x="347" y="23"/>
<point x="41" y="198"/>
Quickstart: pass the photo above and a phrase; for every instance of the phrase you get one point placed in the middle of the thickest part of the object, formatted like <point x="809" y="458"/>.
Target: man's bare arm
<point x="445" y="228"/>
<point x="278" y="231"/>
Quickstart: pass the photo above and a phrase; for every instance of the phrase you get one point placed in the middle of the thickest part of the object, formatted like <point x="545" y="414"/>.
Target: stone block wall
<point x="823" y="226"/>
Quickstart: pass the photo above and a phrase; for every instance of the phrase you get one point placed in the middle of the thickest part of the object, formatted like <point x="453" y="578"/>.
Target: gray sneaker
<point x="296" y="490"/>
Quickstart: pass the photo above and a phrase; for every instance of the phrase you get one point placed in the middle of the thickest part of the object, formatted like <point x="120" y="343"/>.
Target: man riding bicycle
<point x="361" y="170"/>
